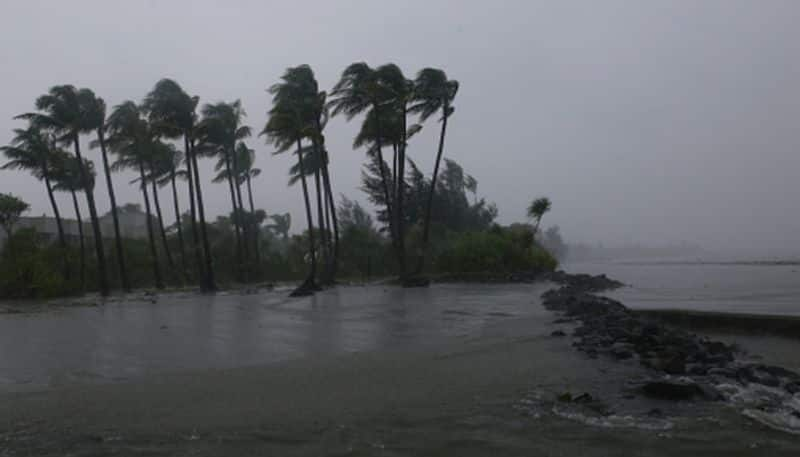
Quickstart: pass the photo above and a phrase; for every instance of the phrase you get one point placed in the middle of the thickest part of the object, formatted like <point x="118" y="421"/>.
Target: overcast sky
<point x="643" y="121"/>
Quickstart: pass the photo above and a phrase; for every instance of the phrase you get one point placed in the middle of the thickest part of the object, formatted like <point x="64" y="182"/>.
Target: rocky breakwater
<point x="683" y="366"/>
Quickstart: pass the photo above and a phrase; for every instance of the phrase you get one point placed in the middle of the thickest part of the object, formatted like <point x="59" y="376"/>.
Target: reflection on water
<point x="129" y="338"/>
<point x="746" y="288"/>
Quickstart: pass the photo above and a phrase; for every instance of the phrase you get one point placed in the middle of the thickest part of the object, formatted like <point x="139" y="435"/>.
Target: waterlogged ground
<point x="449" y="370"/>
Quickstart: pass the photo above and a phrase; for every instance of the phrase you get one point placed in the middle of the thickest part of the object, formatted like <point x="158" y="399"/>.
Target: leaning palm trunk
<point x="209" y="283"/>
<point x="98" y="237"/>
<point x="150" y="237"/>
<point x="256" y="231"/>
<point x="427" y="223"/>
<point x="235" y="216"/>
<point x="198" y="259"/>
<point x="321" y="222"/>
<point x="80" y="236"/>
<point x="385" y="182"/>
<point x="327" y="181"/>
<point x="161" y="228"/>
<point x="178" y="223"/>
<point x="123" y="274"/>
<point x="243" y="223"/>
<point x="62" y="241"/>
<point x="310" y="283"/>
<point x="398" y="207"/>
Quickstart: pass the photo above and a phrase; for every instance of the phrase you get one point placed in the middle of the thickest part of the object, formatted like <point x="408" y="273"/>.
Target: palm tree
<point x="67" y="178"/>
<point x="537" y="209"/>
<point x="96" y="114"/>
<point x="166" y="172"/>
<point x="246" y="158"/>
<point x="171" y="111"/>
<point x="158" y="150"/>
<point x="32" y="150"/>
<point x="433" y="92"/>
<point x="289" y="120"/>
<point x="131" y="138"/>
<point x="219" y="130"/>
<point x="67" y="112"/>
<point x="386" y="93"/>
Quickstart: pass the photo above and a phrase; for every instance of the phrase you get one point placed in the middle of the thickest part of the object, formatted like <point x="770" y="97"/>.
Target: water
<point x="132" y="337"/>
<point x="730" y="287"/>
<point x="448" y="370"/>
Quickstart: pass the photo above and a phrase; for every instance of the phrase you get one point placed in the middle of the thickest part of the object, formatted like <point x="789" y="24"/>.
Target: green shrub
<point x="31" y="269"/>
<point x="494" y="251"/>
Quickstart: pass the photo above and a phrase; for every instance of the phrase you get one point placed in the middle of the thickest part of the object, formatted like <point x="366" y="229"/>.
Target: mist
<point x="644" y="122"/>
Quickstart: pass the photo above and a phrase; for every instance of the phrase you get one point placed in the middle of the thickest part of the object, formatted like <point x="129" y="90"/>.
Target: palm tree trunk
<point x="150" y="237"/>
<point x="210" y="284"/>
<point x="321" y="223"/>
<point x="243" y="224"/>
<point x="178" y="223"/>
<point x="257" y="231"/>
<point x="427" y="224"/>
<point x="62" y="241"/>
<point x="98" y="237"/>
<point x="198" y="259"/>
<point x="401" y="161"/>
<point x="80" y="236"/>
<point x="327" y="180"/>
<point x="235" y="216"/>
<point x="384" y="180"/>
<point x="311" y="248"/>
<point x="123" y="274"/>
<point x="163" y="231"/>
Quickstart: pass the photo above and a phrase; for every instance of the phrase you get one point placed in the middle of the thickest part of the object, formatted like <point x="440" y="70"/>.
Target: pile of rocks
<point x="608" y="328"/>
<point x="581" y="282"/>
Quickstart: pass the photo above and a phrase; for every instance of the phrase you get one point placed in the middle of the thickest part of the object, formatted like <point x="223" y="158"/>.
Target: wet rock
<point x="558" y="333"/>
<point x="675" y="365"/>
<point x="755" y="374"/>
<point x="792" y="387"/>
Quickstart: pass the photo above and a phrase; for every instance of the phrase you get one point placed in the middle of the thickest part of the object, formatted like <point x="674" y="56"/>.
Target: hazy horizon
<point x="644" y="122"/>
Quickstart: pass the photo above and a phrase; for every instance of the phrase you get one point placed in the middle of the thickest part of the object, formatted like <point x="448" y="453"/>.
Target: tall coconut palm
<point x="67" y="178"/>
<point x="246" y="158"/>
<point x="384" y="93"/>
<point x="96" y="116"/>
<point x="68" y="112"/>
<point x="287" y="126"/>
<point x="32" y="150"/>
<point x="433" y="93"/>
<point x="220" y="128"/>
<point x="158" y="150"/>
<point x="172" y="112"/>
<point x="281" y="224"/>
<point x="131" y="139"/>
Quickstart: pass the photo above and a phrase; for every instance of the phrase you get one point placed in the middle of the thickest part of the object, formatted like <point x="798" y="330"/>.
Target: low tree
<point x="11" y="209"/>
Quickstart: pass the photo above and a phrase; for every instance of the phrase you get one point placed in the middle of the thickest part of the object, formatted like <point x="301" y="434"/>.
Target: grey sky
<point x="643" y="121"/>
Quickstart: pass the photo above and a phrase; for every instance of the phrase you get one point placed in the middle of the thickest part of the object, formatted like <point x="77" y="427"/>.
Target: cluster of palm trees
<point x="142" y="138"/>
<point x="386" y="98"/>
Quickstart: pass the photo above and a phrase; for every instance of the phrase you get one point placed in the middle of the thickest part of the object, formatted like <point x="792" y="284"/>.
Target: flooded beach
<point x="361" y="370"/>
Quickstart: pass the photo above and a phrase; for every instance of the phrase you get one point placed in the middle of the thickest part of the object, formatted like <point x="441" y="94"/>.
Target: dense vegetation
<point x="435" y="224"/>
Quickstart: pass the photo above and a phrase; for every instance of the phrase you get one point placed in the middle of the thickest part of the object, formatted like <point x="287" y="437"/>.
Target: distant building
<point x="132" y="224"/>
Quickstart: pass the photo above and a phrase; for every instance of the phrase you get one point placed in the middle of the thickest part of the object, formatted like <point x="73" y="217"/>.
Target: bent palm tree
<point x="166" y="172"/>
<point x="67" y="177"/>
<point x="537" y="209"/>
<point x="96" y="113"/>
<point x="32" y="150"/>
<point x="288" y="123"/>
<point x="66" y="111"/>
<point x="131" y="139"/>
<point x="433" y="92"/>
<point x="171" y="111"/>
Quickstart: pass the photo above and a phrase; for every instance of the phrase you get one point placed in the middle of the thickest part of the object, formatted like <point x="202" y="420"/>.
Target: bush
<point x="495" y="251"/>
<point x="31" y="269"/>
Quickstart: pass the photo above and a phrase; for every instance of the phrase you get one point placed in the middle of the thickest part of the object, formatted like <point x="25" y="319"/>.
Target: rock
<point x="558" y="333"/>
<point x="676" y="365"/>
<point x="696" y="369"/>
<point x="583" y="398"/>
<point x="755" y="374"/>
<point x="710" y="392"/>
<point x="672" y="390"/>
